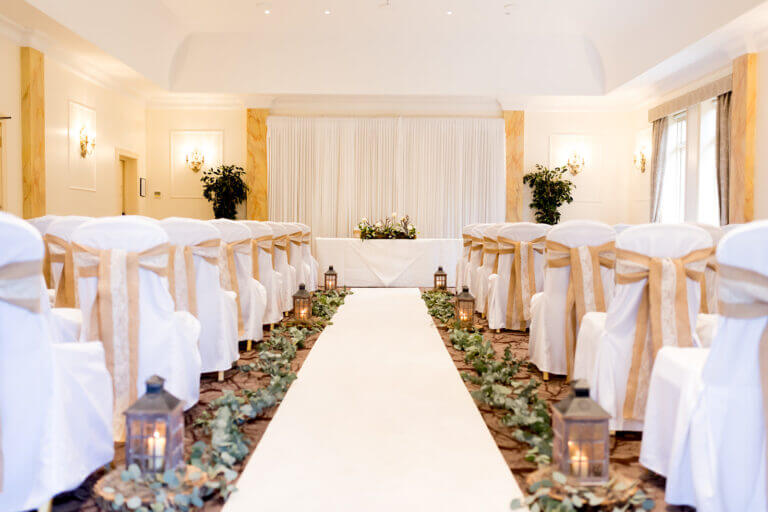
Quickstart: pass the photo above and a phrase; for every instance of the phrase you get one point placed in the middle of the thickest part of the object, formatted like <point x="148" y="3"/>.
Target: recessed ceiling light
<point x="327" y="11"/>
<point x="267" y="11"/>
<point x="448" y="12"/>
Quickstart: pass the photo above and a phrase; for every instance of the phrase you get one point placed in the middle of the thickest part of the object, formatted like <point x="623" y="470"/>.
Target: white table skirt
<point x="389" y="263"/>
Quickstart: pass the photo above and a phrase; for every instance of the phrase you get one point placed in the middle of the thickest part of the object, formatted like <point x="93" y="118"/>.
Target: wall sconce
<point x="575" y="163"/>
<point x="641" y="161"/>
<point x="87" y="142"/>
<point x="195" y="160"/>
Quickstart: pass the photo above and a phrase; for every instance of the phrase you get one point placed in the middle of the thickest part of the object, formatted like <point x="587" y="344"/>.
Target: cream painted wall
<point x="610" y="189"/>
<point x="10" y="105"/>
<point x="160" y="124"/>
<point x="119" y="124"/>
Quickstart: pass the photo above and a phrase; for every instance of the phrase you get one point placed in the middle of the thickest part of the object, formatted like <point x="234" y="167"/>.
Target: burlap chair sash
<point x="280" y="243"/>
<point x="585" y="285"/>
<point x="294" y="239"/>
<point x="477" y="244"/>
<point x="522" y="279"/>
<point x="744" y="294"/>
<point x="60" y="251"/>
<point x="229" y="275"/>
<point x="115" y="315"/>
<point x="19" y="286"/>
<point x="662" y="316"/>
<point x="263" y="243"/>
<point x="46" y="266"/>
<point x="713" y="266"/>
<point x="306" y="238"/>
<point x="182" y="278"/>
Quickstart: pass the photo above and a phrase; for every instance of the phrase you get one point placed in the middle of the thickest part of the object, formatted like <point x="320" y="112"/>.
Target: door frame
<point x="131" y="166"/>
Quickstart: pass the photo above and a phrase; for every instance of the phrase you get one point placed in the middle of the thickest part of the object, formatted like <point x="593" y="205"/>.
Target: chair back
<point x="26" y="365"/>
<point x="658" y="269"/>
<point x="56" y="239"/>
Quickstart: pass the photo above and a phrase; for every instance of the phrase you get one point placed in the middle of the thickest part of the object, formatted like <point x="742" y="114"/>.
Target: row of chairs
<point x="138" y="297"/>
<point x="634" y="311"/>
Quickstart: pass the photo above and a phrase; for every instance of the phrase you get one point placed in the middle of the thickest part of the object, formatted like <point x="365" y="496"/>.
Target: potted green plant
<point x="225" y="188"/>
<point x="550" y="190"/>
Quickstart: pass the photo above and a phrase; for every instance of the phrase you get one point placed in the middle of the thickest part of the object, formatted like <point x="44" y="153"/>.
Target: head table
<point x="389" y="263"/>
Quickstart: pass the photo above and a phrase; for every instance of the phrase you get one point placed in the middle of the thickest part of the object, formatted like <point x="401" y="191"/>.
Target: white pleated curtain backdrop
<point x="330" y="172"/>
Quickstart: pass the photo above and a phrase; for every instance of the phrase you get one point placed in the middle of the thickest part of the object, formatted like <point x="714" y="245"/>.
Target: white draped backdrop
<point x="330" y="172"/>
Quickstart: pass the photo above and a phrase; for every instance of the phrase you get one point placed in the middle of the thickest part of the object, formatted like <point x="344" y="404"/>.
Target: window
<point x="709" y="202"/>
<point x="689" y="192"/>
<point x="673" y="189"/>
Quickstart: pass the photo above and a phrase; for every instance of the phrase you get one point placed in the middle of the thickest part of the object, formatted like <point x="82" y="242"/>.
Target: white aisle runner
<point x="378" y="420"/>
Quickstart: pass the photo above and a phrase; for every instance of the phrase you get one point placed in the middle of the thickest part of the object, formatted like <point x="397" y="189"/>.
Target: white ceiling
<point x="510" y="50"/>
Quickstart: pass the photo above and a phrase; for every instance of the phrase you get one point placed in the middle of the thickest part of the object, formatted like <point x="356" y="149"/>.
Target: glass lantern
<point x="302" y="304"/>
<point x="465" y="308"/>
<point x="330" y="279"/>
<point x="441" y="279"/>
<point x="155" y="430"/>
<point x="580" y="448"/>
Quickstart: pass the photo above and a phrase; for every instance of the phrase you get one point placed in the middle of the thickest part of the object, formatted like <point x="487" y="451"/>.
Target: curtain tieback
<point x="60" y="251"/>
<point x="207" y="250"/>
<point x="747" y="294"/>
<point x="585" y="285"/>
<point x="663" y="307"/>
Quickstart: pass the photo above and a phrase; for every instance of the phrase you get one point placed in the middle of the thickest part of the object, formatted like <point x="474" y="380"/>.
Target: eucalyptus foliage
<point x="440" y="305"/>
<point x="225" y="188"/>
<point x="551" y="190"/>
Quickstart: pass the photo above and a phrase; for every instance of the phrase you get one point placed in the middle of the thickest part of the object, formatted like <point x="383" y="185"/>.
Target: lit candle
<point x="156" y="451"/>
<point x="579" y="461"/>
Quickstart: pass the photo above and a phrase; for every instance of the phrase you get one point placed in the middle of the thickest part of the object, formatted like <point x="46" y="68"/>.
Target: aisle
<point x="378" y="420"/>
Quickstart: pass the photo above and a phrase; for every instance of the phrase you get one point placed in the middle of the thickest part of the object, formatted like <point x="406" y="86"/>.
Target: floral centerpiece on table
<point x="389" y="228"/>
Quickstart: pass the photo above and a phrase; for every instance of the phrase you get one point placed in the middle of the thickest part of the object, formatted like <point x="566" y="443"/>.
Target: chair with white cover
<point x="41" y="224"/>
<point x="296" y="254"/>
<point x="263" y="269"/>
<point x="475" y="257"/>
<point x="620" y="228"/>
<point x="466" y="252"/>
<point x="195" y="285"/>
<point x="280" y="260"/>
<point x="55" y="398"/>
<point x="519" y="275"/>
<point x="656" y="303"/>
<point x="717" y="461"/>
<point x="122" y="281"/>
<point x="314" y="266"/>
<point x="58" y="243"/>
<point x="578" y="279"/>
<point x="488" y="267"/>
<point x="237" y="275"/>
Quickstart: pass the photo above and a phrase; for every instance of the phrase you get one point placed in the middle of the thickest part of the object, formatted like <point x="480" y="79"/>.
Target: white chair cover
<point x="196" y="260"/>
<point x="237" y="249"/>
<point x="463" y="262"/>
<point x="490" y="262"/>
<point x="548" y="341"/>
<point x="280" y="261"/>
<point x="296" y="253"/>
<point x="314" y="266"/>
<point x="614" y="350"/>
<point x="719" y="458"/>
<point x="620" y="228"/>
<point x="264" y="272"/>
<point x="144" y="335"/>
<point x="475" y="259"/>
<point x="62" y="229"/>
<point x="499" y="283"/>
<point x="55" y="398"/>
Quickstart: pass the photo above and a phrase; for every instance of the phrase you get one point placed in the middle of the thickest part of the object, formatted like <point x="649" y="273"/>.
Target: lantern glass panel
<point x="330" y="279"/>
<point x="581" y="438"/>
<point x="465" y="308"/>
<point x="302" y="303"/>
<point x="441" y="279"/>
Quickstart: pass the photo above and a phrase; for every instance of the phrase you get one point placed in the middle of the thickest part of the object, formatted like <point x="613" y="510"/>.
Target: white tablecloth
<point x="389" y="263"/>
